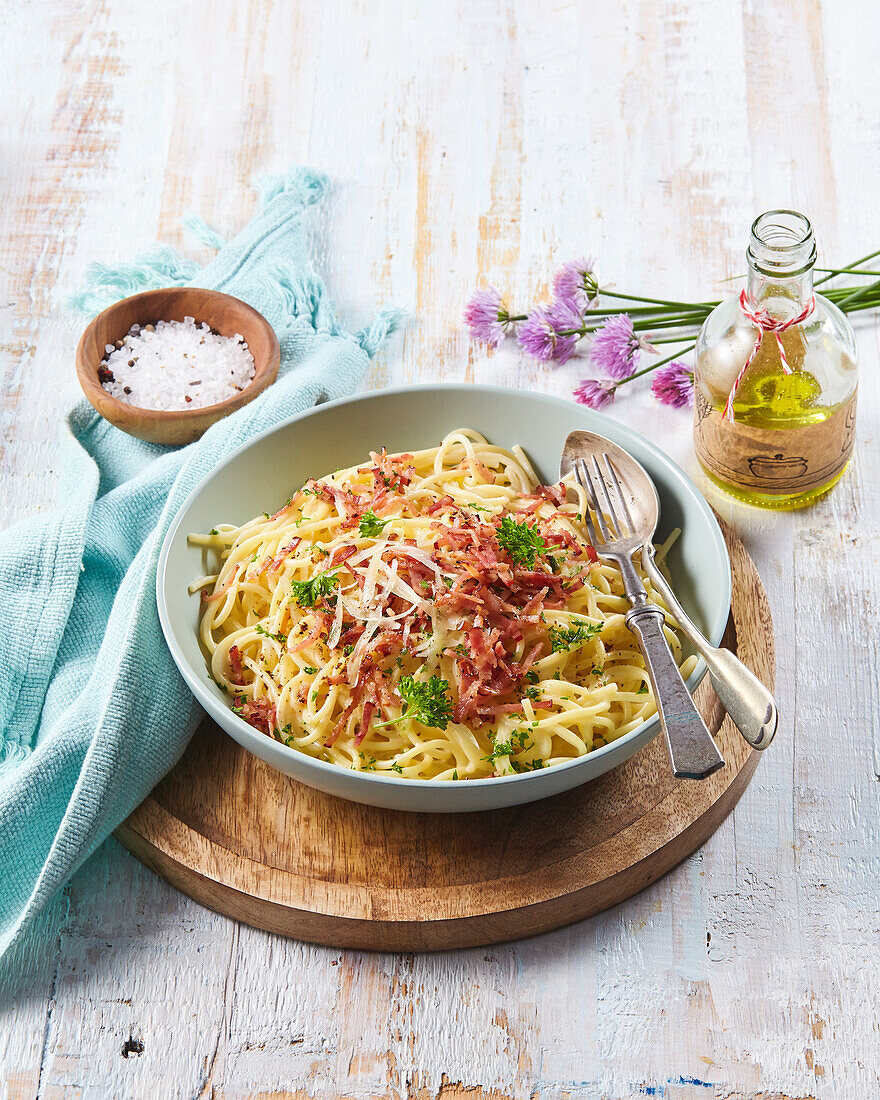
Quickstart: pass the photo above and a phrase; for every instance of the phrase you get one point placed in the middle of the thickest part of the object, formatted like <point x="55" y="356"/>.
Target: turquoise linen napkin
<point x="92" y="709"/>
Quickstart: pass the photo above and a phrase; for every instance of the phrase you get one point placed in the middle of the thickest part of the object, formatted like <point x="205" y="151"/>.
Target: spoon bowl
<point x="639" y="493"/>
<point x="747" y="701"/>
<point x="621" y="515"/>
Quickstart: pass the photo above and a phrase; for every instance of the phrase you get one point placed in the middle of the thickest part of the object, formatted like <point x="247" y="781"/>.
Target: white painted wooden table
<point x="474" y="141"/>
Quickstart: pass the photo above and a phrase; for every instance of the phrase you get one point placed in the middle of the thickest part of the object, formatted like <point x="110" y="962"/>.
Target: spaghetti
<point x="435" y="615"/>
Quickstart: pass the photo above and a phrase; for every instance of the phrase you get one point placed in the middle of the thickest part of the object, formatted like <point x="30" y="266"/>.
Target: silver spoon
<point x="748" y="702"/>
<point x="692" y="752"/>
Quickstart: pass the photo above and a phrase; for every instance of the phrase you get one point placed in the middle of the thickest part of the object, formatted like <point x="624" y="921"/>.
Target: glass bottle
<point x="778" y="430"/>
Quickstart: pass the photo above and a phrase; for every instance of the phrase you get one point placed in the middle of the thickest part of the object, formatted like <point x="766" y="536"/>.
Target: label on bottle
<point x="784" y="460"/>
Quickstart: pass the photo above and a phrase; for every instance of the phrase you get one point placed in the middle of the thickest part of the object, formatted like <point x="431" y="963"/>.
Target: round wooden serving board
<point x="243" y="839"/>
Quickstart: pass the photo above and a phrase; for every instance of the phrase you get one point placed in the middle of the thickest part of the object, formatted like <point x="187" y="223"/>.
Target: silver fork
<point x="692" y="752"/>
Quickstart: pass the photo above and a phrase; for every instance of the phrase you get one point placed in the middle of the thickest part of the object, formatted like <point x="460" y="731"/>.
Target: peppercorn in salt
<point x="176" y="365"/>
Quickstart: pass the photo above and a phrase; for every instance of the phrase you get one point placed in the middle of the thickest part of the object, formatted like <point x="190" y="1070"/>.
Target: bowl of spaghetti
<point x="392" y="598"/>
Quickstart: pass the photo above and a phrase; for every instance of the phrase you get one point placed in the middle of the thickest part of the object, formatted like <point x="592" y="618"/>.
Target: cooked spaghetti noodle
<point x="435" y="615"/>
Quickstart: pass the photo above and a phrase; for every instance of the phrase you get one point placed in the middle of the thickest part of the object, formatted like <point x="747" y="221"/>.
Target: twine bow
<point x="762" y="319"/>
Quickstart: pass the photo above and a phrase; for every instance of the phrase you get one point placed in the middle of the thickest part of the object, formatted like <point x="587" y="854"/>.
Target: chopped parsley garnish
<point x="280" y="638"/>
<point x="308" y="593"/>
<point x="527" y="765"/>
<point x="218" y="683"/>
<point x="643" y="690"/>
<point x="214" y="531"/>
<point x="570" y="637"/>
<point x="519" y="742"/>
<point x="479" y="508"/>
<point x="455" y="774"/>
<point x="426" y="701"/>
<point x="309" y="671"/>
<point x="347" y="650"/>
<point x="522" y="543"/>
<point x="395" y="767"/>
<point x="370" y="525"/>
<point x="532" y="693"/>
<point x="532" y="677"/>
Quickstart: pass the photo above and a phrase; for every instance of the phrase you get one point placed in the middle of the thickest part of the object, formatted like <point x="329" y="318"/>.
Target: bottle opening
<point x="782" y="244"/>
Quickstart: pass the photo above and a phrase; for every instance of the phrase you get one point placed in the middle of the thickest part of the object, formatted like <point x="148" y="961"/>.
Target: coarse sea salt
<point x="176" y="365"/>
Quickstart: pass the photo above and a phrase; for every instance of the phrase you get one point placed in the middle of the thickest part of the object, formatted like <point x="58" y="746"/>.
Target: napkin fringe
<point x="11" y="755"/>
<point x="163" y="266"/>
<point x="160" y="266"/>
<point x="383" y="324"/>
<point x="307" y="185"/>
<point x="202" y="232"/>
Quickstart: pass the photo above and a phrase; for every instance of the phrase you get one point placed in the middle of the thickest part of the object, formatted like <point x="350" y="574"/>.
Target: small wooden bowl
<point x="225" y="314"/>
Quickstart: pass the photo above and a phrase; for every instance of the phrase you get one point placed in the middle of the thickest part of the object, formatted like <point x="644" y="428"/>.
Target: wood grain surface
<point x="471" y="142"/>
<point x="242" y="838"/>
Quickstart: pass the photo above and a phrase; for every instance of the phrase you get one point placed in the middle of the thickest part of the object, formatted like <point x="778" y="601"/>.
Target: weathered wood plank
<point x="473" y="142"/>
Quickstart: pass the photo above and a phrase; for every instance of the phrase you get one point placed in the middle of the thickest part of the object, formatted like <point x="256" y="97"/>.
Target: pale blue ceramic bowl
<point x="261" y="475"/>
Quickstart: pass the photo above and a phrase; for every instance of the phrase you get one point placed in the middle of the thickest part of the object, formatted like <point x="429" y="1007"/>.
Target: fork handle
<point x="692" y="752"/>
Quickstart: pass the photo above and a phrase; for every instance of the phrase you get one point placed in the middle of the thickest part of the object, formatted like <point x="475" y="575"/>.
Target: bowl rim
<point x="90" y="383"/>
<point x="323" y="767"/>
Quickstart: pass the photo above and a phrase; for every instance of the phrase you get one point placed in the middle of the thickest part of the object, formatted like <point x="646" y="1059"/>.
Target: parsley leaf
<point x="426" y="701"/>
<point x="570" y="637"/>
<point x="280" y="638"/>
<point x="527" y="766"/>
<point x="522" y="543"/>
<point x="308" y="593"/>
<point x="519" y="742"/>
<point x="532" y="677"/>
<point x="309" y="670"/>
<point x="643" y="690"/>
<point x="370" y="525"/>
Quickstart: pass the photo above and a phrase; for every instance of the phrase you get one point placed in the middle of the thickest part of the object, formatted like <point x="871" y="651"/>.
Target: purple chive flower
<point x="616" y="347"/>
<point x="595" y="393"/>
<point x="551" y="332"/>
<point x="674" y="385"/>
<point x="487" y="317"/>
<point x="577" y="282"/>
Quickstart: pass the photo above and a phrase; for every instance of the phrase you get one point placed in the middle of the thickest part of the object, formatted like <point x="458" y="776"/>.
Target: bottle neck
<point x="781" y="254"/>
<point x="782" y="298"/>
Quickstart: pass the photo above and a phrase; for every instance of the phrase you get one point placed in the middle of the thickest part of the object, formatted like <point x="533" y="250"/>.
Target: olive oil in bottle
<point x="775" y="377"/>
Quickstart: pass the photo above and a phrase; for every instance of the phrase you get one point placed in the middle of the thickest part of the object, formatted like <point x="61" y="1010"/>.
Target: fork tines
<point x="599" y="487"/>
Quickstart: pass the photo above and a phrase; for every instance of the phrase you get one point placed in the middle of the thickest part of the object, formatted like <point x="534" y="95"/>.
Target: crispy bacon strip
<point x="236" y="674"/>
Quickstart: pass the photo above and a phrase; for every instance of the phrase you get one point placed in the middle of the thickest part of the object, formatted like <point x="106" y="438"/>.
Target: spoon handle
<point x="748" y="702"/>
<point x="693" y="753"/>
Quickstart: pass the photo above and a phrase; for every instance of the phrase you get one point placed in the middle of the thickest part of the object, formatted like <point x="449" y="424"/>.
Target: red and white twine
<point x="765" y="323"/>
